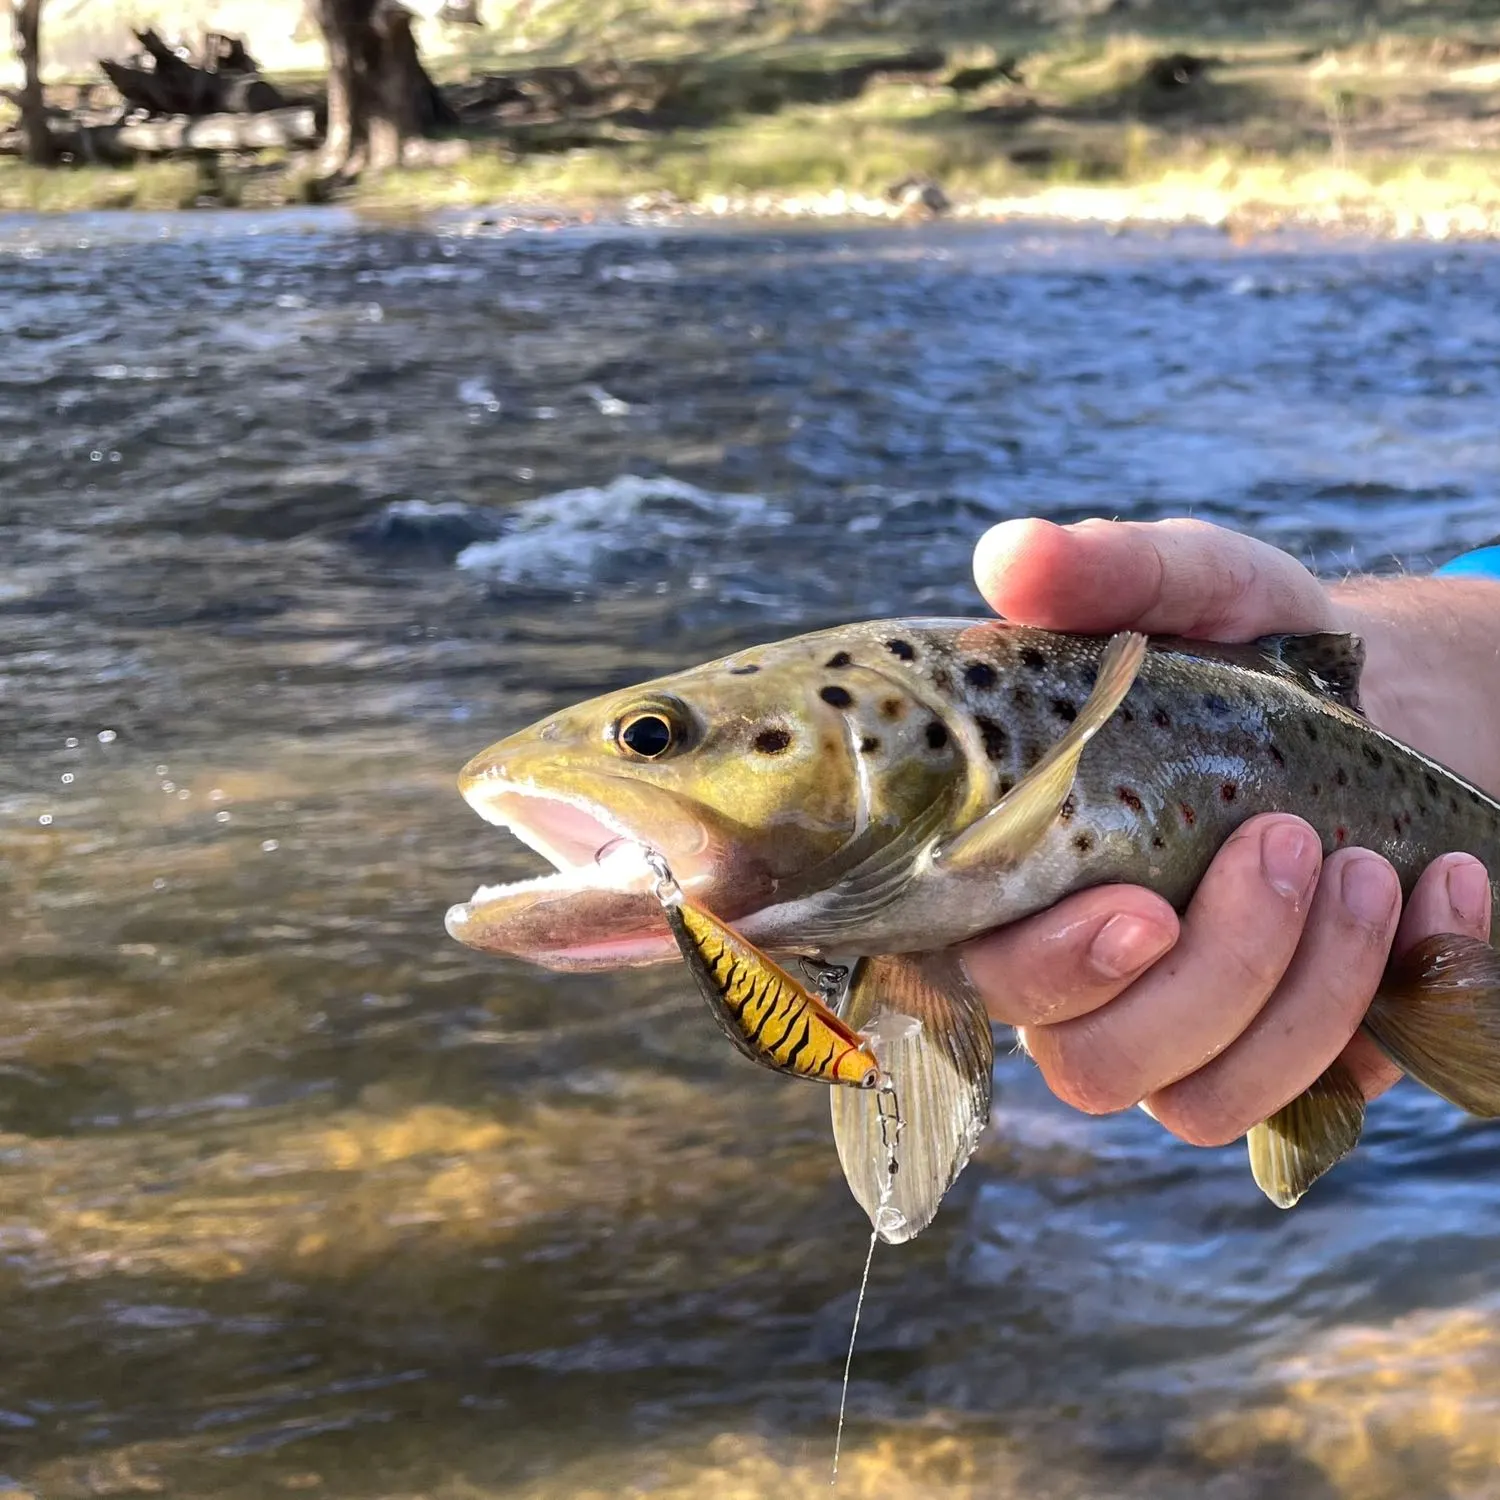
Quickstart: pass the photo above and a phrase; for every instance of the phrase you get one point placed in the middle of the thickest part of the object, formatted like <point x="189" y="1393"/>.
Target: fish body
<point x="894" y="788"/>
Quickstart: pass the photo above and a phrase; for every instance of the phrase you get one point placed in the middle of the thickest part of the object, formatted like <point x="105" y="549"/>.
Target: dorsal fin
<point x="1328" y="662"/>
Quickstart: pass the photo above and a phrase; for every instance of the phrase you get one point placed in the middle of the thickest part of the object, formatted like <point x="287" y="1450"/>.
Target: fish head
<point x="760" y="779"/>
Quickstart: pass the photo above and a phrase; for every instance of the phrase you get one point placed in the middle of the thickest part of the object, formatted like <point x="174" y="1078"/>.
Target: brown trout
<point x="884" y="791"/>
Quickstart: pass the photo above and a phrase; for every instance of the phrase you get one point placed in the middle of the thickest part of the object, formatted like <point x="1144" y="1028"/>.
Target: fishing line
<point x="891" y="1126"/>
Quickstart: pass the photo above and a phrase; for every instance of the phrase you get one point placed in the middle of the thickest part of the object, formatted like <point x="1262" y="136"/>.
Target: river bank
<point x="1388" y="134"/>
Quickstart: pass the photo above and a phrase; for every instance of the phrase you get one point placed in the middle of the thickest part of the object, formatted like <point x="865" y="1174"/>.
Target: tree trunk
<point x="379" y="94"/>
<point x="26" y="19"/>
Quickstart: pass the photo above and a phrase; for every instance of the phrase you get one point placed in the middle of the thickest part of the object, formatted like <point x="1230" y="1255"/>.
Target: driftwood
<point x="171" y="86"/>
<point x="118" y="143"/>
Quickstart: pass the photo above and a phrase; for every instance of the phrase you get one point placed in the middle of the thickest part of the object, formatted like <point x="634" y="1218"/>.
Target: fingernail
<point x="1289" y="857"/>
<point x="1125" y="944"/>
<point x="1469" y="892"/>
<point x="1369" y="889"/>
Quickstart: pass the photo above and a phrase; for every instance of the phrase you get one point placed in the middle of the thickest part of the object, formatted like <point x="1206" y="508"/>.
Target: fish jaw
<point x="598" y="908"/>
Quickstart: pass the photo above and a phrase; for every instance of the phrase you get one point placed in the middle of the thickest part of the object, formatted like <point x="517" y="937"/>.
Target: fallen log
<point x="174" y="87"/>
<point x="123" y="143"/>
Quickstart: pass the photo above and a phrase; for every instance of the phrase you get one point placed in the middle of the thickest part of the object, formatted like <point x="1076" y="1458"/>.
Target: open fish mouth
<point x="596" y="909"/>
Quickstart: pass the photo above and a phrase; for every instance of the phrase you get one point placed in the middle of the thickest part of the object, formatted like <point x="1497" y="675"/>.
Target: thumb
<point x="1177" y="577"/>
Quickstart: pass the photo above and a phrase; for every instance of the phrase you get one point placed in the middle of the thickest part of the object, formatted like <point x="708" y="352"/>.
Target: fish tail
<point x="1437" y="1017"/>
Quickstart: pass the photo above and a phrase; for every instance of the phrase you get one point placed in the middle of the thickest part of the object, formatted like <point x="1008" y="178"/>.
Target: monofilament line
<point x="864" y="1281"/>
<point x="891" y="1125"/>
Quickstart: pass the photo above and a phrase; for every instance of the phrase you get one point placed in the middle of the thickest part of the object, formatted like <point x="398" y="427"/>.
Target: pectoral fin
<point x="1301" y="1141"/>
<point x="931" y="1035"/>
<point x="1006" y="833"/>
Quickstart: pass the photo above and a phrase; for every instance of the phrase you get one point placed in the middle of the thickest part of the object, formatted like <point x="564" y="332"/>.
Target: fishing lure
<point x="769" y="1016"/>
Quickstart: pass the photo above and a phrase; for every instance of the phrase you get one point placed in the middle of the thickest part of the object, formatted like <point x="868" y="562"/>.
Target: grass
<point x="1393" y="130"/>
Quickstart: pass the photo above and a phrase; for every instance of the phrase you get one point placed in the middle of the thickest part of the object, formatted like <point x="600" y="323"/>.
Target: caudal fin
<point x="932" y="1037"/>
<point x="1437" y="1017"/>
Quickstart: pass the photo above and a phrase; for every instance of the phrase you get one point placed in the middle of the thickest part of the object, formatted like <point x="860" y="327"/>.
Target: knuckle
<point x="1080" y="1073"/>
<point x="1197" y="1113"/>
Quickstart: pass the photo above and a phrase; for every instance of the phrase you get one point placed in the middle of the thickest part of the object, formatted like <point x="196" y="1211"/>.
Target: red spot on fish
<point x="1340" y="835"/>
<point x="1228" y="791"/>
<point x="1129" y="798"/>
<point x="1188" y="815"/>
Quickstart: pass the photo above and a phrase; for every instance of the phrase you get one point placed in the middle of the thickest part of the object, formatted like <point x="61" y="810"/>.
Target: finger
<point x="1238" y="936"/>
<point x="1177" y="577"/>
<point x="1453" y="895"/>
<point x="1309" y="1020"/>
<point x="1071" y="958"/>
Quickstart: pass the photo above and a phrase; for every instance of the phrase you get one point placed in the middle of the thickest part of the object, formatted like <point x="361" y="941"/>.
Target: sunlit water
<point x="296" y="1196"/>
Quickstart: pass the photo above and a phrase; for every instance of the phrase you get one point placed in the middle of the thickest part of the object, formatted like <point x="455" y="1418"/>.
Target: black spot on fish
<point x="1400" y="771"/>
<point x="1031" y="756"/>
<point x="1068" y="808"/>
<point x="1129" y="798"/>
<point x="942" y="679"/>
<point x="1229" y="791"/>
<point x="1064" y="710"/>
<point x="773" y="741"/>
<point x="937" y="735"/>
<point x="836" y="697"/>
<point x="1083" y="842"/>
<point x="980" y="675"/>
<point x="1312" y="730"/>
<point x="1005" y="786"/>
<point x="1452" y="804"/>
<point x="1126" y="717"/>
<point x="1020" y="696"/>
<point x="749" y="669"/>
<point x="995" y="738"/>
<point x="1316" y="789"/>
<point x="903" y="650"/>
<point x="839" y="659"/>
<point x="1341" y="776"/>
<point x="1215" y="704"/>
<point x="1160" y="718"/>
<point x="1396" y="822"/>
<point x="892" y="708"/>
<point x="1276" y="755"/>
<point x="1374" y="756"/>
<point x="1158" y="842"/>
<point x="1430" y="782"/>
<point x="1189" y="816"/>
<point x="1031" y="657"/>
<point x="869" y="744"/>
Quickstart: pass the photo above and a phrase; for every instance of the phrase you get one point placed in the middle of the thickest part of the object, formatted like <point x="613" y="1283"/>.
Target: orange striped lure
<point x="768" y="1015"/>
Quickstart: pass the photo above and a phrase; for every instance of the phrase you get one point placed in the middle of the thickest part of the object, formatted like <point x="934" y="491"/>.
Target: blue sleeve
<point x="1483" y="563"/>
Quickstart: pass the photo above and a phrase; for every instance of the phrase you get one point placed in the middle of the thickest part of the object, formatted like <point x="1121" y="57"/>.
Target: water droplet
<point x="221" y="817"/>
<point x="71" y="743"/>
<point x="169" y="786"/>
<point x="269" y="846"/>
<point x="107" y="736"/>
<point x="183" y="794"/>
<point x="96" y="457"/>
<point x="45" y="819"/>
<point x="216" y="795"/>
<point x="161" y="770"/>
<point x="67" y="778"/>
<point x="158" y="884"/>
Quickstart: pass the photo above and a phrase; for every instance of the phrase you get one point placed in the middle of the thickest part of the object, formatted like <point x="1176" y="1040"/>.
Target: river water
<point x="299" y="1197"/>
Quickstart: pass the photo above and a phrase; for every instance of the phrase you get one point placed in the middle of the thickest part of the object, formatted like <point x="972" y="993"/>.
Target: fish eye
<point x="647" y="736"/>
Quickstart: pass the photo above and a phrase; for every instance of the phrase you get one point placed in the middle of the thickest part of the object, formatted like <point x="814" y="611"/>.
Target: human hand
<point x="1213" y="1022"/>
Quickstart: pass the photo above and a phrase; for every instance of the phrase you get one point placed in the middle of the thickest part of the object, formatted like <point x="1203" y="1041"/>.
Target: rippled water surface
<point x="296" y="1196"/>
